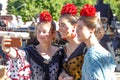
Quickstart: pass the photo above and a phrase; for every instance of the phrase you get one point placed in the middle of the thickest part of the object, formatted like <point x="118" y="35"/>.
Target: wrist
<point x="12" y="52"/>
<point x="7" y="51"/>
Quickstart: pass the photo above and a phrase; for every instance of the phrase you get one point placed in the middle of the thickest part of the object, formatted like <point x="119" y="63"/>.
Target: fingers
<point x="68" y="78"/>
<point x="5" y="44"/>
<point x="65" y="76"/>
<point x="60" y="78"/>
<point x="6" y="41"/>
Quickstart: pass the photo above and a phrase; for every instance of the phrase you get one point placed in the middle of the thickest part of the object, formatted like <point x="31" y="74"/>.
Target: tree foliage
<point x="115" y="5"/>
<point x="29" y="9"/>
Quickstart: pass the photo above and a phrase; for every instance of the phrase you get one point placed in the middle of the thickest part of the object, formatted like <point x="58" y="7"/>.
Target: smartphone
<point x="15" y="42"/>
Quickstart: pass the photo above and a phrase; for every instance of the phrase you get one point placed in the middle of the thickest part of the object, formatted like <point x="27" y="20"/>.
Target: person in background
<point x="1" y="7"/>
<point x="12" y="23"/>
<point x="36" y="62"/>
<point x="105" y="11"/>
<point x="74" y="49"/>
<point x="105" y="41"/>
<point x="20" y="22"/>
<point x="98" y="62"/>
<point x="2" y="24"/>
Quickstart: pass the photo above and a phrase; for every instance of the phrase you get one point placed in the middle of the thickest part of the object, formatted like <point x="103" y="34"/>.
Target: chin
<point x="63" y="36"/>
<point x="41" y="39"/>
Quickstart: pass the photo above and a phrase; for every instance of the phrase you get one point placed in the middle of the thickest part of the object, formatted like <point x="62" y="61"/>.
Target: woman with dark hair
<point x="98" y="62"/>
<point x="40" y="62"/>
<point x="73" y="60"/>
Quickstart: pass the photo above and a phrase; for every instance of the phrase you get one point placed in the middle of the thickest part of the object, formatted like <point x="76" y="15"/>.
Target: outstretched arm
<point x="6" y="47"/>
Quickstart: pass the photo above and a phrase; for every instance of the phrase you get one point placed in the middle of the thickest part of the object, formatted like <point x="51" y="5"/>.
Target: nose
<point x="41" y="33"/>
<point x="77" y="30"/>
<point x="60" y="28"/>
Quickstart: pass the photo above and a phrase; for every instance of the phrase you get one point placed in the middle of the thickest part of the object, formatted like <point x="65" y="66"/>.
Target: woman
<point x="98" y="62"/>
<point x="40" y="62"/>
<point x="73" y="60"/>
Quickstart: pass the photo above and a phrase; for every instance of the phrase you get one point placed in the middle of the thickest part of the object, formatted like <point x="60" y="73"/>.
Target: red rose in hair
<point x="45" y="16"/>
<point x="88" y="10"/>
<point x="69" y="9"/>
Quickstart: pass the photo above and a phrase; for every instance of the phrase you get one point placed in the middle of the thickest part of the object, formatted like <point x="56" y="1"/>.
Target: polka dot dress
<point x="74" y="67"/>
<point x="18" y="68"/>
<point x="73" y="64"/>
<point x="33" y="67"/>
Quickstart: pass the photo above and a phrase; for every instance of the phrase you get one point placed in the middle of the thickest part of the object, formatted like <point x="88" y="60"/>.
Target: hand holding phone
<point x="8" y="42"/>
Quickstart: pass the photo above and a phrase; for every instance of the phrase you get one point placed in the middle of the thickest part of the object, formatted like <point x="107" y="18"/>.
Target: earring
<point x="73" y="30"/>
<point x="73" y="34"/>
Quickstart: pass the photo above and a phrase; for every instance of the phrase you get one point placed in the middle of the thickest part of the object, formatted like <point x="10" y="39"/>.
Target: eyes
<point x="43" y="31"/>
<point x="62" y="25"/>
<point x="79" y="26"/>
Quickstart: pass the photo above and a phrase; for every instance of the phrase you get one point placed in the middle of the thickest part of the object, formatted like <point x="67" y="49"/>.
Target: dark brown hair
<point x="53" y="26"/>
<point x="71" y="18"/>
<point x="92" y="23"/>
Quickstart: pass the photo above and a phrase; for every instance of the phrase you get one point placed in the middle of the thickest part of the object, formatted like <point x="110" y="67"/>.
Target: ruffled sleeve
<point x="18" y="68"/>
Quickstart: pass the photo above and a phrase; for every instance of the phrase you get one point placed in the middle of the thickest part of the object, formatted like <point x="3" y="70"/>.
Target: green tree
<point x="115" y="5"/>
<point x="29" y="9"/>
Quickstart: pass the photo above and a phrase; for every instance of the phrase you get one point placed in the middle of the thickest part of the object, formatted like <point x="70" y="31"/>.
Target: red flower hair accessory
<point x="69" y="9"/>
<point x="88" y="10"/>
<point x="45" y="16"/>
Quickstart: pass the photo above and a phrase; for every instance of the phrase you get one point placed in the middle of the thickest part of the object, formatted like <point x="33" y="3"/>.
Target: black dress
<point x="39" y="68"/>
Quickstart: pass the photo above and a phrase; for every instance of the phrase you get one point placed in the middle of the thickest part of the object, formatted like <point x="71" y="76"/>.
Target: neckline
<point x="74" y="52"/>
<point x="44" y="60"/>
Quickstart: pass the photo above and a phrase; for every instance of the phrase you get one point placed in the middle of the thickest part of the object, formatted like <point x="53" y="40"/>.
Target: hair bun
<point x="45" y="16"/>
<point x="69" y="9"/>
<point x="88" y="10"/>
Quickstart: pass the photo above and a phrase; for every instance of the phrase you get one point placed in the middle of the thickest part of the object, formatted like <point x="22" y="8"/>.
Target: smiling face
<point x="44" y="33"/>
<point x="66" y="28"/>
<point x="83" y="32"/>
